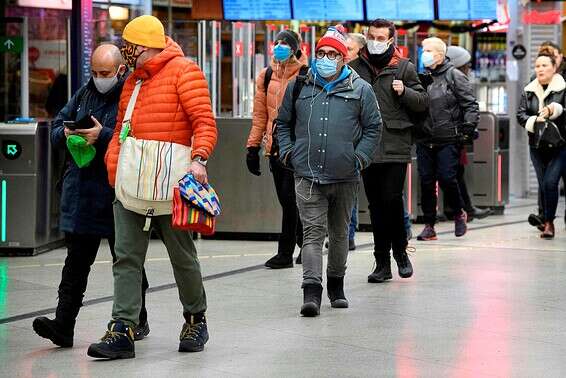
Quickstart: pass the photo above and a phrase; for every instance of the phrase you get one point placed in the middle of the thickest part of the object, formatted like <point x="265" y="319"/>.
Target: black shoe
<point x="141" y="331"/>
<point x="118" y="342"/>
<point x="299" y="259"/>
<point x="403" y="264"/>
<point x="312" y="294"/>
<point x="280" y="262"/>
<point x="351" y="245"/>
<point x="335" y="291"/>
<point x="536" y="221"/>
<point x="194" y="334"/>
<point x="51" y="329"/>
<point x="382" y="271"/>
<point x="479" y="213"/>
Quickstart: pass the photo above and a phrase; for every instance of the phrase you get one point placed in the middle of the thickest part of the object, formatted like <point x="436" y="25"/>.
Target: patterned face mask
<point x="128" y="52"/>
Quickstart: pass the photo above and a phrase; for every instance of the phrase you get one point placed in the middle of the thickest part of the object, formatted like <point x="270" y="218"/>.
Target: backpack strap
<point x="401" y="69"/>
<point x="267" y="78"/>
<point x="297" y="88"/>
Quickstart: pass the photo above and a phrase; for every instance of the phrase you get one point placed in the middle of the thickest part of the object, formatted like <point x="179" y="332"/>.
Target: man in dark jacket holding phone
<point x="86" y="199"/>
<point x="400" y="95"/>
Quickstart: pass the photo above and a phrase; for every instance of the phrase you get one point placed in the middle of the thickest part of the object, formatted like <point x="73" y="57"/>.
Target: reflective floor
<point x="492" y="303"/>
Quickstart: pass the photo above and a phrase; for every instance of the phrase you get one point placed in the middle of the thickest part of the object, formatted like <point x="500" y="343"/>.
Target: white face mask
<point x="105" y="84"/>
<point x="427" y="58"/>
<point x="377" y="47"/>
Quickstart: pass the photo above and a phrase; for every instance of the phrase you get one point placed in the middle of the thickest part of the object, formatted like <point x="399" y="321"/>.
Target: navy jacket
<point x="86" y="199"/>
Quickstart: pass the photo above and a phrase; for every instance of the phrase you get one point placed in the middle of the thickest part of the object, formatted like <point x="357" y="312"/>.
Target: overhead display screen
<point x="257" y="10"/>
<point x="410" y="10"/>
<point x="467" y="9"/>
<point x="339" y="10"/>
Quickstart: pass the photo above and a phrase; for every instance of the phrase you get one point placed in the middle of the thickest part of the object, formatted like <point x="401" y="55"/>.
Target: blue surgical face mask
<point x="281" y="52"/>
<point x="326" y="67"/>
<point x="427" y="58"/>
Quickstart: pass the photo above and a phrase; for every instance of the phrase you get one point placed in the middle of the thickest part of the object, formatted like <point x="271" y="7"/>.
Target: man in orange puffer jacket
<point x="173" y="105"/>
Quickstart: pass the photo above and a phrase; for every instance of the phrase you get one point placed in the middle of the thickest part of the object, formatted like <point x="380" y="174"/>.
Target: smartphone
<point x="83" y="123"/>
<point x="71" y="125"/>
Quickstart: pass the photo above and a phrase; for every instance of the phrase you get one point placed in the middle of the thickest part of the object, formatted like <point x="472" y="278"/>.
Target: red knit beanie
<point x="335" y="37"/>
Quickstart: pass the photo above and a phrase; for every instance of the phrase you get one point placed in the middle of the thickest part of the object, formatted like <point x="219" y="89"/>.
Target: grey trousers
<point x="322" y="208"/>
<point x="131" y="247"/>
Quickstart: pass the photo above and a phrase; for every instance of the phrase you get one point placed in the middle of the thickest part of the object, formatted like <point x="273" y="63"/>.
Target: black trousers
<point x="291" y="226"/>
<point x="81" y="253"/>
<point x="439" y="163"/>
<point x="383" y="184"/>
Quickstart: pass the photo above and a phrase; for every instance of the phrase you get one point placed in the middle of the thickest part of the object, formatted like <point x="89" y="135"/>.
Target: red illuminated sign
<point x="542" y="18"/>
<point x="271" y="47"/>
<point x="306" y="49"/>
<point x="239" y="48"/>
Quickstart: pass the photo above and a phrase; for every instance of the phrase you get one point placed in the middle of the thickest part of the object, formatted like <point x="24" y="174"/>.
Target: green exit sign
<point x="13" y="45"/>
<point x="11" y="149"/>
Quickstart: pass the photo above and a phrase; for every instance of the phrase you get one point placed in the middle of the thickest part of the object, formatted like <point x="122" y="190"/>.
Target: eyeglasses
<point x="332" y="55"/>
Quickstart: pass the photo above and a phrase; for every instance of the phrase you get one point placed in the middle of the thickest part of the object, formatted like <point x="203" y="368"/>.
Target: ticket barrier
<point x="29" y="171"/>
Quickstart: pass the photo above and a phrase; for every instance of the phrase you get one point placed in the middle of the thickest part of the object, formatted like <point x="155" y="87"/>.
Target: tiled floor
<point x="492" y="303"/>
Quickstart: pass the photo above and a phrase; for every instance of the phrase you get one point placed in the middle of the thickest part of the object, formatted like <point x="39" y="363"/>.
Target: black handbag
<point x="547" y="135"/>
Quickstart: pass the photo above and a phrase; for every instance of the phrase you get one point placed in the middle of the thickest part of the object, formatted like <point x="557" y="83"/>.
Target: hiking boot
<point x="299" y="259"/>
<point x="280" y="261"/>
<point x="460" y="227"/>
<point x="118" y="342"/>
<point x="312" y="297"/>
<point x="141" y="331"/>
<point x="404" y="265"/>
<point x="548" y="232"/>
<point x="382" y="271"/>
<point x="536" y="221"/>
<point x="194" y="334"/>
<point x="428" y="233"/>
<point x="59" y="334"/>
<point x="335" y="291"/>
<point x="351" y="245"/>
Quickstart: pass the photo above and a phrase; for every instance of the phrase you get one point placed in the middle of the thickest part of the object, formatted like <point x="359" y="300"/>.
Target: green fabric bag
<point x="81" y="152"/>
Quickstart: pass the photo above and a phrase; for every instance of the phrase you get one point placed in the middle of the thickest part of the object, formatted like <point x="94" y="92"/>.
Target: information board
<point x="410" y="10"/>
<point x="338" y="10"/>
<point x="467" y="9"/>
<point x="257" y="10"/>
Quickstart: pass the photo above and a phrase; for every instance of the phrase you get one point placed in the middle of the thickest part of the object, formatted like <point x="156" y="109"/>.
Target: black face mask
<point x="382" y="60"/>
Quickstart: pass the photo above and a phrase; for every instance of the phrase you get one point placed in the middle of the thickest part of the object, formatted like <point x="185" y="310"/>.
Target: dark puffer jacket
<point x="86" y="199"/>
<point x="535" y="97"/>
<point x="453" y="106"/>
<point x="397" y="135"/>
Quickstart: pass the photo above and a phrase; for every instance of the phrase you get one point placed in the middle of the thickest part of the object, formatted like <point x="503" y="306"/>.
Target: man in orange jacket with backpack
<point x="171" y="105"/>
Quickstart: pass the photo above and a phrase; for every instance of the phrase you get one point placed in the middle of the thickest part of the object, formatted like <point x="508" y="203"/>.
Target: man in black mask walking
<point x="400" y="95"/>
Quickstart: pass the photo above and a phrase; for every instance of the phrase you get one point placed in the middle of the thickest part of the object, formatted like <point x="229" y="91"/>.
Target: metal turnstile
<point x="29" y="207"/>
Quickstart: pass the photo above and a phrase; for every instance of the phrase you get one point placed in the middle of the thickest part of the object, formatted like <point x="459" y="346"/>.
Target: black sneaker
<point x="403" y="264"/>
<point x="460" y="227"/>
<point x="52" y="330"/>
<point x="335" y="291"/>
<point x="536" y="221"/>
<point x="141" y="331"/>
<point x="382" y="271"/>
<point x="193" y="335"/>
<point x="351" y="245"/>
<point x="118" y="342"/>
<point x="427" y="234"/>
<point x="480" y="213"/>
<point x="312" y="297"/>
<point x="280" y="262"/>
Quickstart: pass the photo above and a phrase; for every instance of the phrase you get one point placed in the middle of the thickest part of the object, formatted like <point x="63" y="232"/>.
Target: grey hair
<point x="359" y="38"/>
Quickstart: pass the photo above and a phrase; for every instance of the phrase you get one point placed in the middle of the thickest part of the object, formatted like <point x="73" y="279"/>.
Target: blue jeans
<point x="406" y="217"/>
<point x="549" y="166"/>
<point x="353" y="222"/>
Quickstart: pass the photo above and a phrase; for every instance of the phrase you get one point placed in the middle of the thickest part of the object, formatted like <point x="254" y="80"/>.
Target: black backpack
<point x="297" y="87"/>
<point x="422" y="128"/>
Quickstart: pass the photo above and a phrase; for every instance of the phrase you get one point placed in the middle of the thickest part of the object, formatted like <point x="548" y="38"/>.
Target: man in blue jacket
<point x="86" y="200"/>
<point x="328" y="133"/>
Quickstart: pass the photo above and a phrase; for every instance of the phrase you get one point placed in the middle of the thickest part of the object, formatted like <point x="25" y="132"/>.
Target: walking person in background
<point x="453" y="116"/>
<point x="328" y="131"/>
<point x="542" y="105"/>
<point x="271" y="83"/>
<point x="168" y="101"/>
<point x="396" y="85"/>
<point x="86" y="199"/>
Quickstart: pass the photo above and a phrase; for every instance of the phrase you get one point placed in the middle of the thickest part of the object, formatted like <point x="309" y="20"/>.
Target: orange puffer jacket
<point x="267" y="105"/>
<point x="173" y="105"/>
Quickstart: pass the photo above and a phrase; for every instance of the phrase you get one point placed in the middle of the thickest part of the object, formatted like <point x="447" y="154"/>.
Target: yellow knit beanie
<point x="146" y="31"/>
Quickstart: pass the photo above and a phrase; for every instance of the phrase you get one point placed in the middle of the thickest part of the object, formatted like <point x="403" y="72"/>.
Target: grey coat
<point x="336" y="132"/>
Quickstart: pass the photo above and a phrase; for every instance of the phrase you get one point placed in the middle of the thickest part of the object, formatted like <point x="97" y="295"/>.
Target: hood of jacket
<point x="152" y="66"/>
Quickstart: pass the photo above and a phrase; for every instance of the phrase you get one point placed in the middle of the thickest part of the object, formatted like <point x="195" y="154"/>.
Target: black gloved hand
<point x="252" y="160"/>
<point x="468" y="133"/>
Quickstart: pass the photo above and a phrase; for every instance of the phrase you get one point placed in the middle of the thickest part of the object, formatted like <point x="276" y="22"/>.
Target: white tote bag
<point x="148" y="169"/>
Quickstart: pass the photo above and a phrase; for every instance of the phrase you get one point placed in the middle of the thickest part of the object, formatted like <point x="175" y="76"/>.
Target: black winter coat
<point x="533" y="96"/>
<point x="453" y="105"/>
<point x="86" y="199"/>
<point x="397" y="135"/>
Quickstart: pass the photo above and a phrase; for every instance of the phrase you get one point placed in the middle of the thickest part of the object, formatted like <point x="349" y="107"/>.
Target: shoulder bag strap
<point x="132" y="104"/>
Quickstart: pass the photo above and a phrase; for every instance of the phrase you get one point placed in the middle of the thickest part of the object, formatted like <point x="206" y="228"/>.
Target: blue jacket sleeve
<point x="370" y="119"/>
<point x="57" y="129"/>
<point x="104" y="136"/>
<point x="283" y="123"/>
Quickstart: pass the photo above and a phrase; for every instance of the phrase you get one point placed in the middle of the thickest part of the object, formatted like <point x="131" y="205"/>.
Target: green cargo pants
<point x="131" y="248"/>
